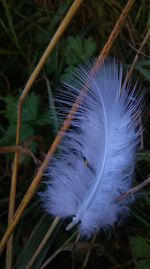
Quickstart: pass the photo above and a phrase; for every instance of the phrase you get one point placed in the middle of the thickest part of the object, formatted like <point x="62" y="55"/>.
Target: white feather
<point x="97" y="156"/>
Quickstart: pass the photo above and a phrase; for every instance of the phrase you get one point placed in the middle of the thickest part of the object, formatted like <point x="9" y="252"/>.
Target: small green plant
<point x="33" y="118"/>
<point x="140" y="247"/>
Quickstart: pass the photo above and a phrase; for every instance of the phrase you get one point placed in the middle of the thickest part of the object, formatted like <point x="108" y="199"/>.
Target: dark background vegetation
<point x="26" y="28"/>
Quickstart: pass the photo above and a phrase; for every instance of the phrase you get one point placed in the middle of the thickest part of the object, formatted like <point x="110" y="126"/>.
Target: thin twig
<point x="11" y="210"/>
<point x="89" y="252"/>
<point x="67" y="19"/>
<point x="116" y="30"/>
<point x="36" y="181"/>
<point x="147" y="36"/>
<point x="74" y="249"/>
<point x="137" y="51"/>
<point x="43" y="242"/>
<point x="133" y="190"/>
<point x="20" y="149"/>
<point x="129" y="73"/>
<point x="57" y="251"/>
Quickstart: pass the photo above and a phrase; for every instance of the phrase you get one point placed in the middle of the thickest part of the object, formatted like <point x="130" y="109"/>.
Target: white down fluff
<point x="96" y="158"/>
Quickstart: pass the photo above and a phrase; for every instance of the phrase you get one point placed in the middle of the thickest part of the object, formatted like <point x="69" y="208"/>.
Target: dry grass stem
<point x="20" y="149"/>
<point x="11" y="210"/>
<point x="118" y="26"/>
<point x="67" y="19"/>
<point x="128" y="76"/>
<point x="89" y="252"/>
<point x="57" y="252"/>
<point x="134" y="189"/>
<point x="43" y="242"/>
<point x="146" y="38"/>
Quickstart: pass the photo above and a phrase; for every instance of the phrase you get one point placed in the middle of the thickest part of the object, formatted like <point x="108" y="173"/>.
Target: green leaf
<point x="79" y="49"/>
<point x="43" y="119"/>
<point x="11" y="109"/>
<point x="31" y="108"/>
<point x="10" y="21"/>
<point x="89" y="48"/>
<point x="9" y="136"/>
<point x="32" y="243"/>
<point x="143" y="155"/>
<point x="52" y="108"/>
<point x="144" y="72"/>
<point x="26" y="131"/>
<point x="143" y="264"/>
<point x="143" y="63"/>
<point x="140" y="247"/>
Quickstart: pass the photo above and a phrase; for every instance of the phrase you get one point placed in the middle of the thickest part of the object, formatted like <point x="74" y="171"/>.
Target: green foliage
<point x="68" y="54"/>
<point x="140" y="247"/>
<point x="141" y="251"/>
<point x="79" y="49"/>
<point x="32" y="116"/>
<point x="143" y="68"/>
<point x="32" y="243"/>
<point x="144" y="155"/>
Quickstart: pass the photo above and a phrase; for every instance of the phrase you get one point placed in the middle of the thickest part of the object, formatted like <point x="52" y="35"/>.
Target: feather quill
<point x="96" y="158"/>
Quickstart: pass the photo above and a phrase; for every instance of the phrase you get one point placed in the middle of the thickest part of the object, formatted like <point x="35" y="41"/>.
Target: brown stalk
<point x="43" y="242"/>
<point x="57" y="251"/>
<point x="67" y="19"/>
<point x="36" y="181"/>
<point x="128" y="76"/>
<point x="19" y="149"/>
<point x="147" y="36"/>
<point x="134" y="189"/>
<point x="117" y="29"/>
<point x="89" y="252"/>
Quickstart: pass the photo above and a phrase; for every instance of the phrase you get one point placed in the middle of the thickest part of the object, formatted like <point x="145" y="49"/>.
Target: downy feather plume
<point x="95" y="161"/>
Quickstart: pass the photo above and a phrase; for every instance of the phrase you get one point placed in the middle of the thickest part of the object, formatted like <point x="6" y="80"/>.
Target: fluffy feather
<point x="96" y="159"/>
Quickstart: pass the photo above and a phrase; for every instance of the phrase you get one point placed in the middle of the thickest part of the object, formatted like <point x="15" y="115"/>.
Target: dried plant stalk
<point x="20" y="149"/>
<point x="60" y="249"/>
<point x="67" y="19"/>
<point x="36" y="181"/>
<point x="129" y="73"/>
<point x="134" y="189"/>
<point x="146" y="38"/>
<point x="89" y="252"/>
<point x="44" y="241"/>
